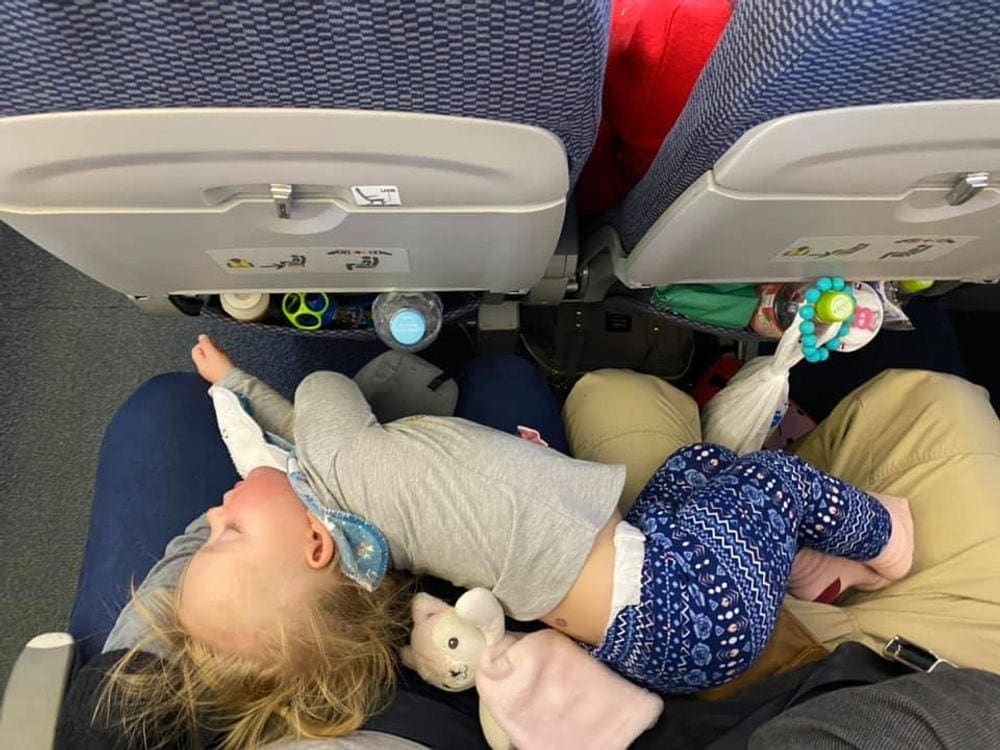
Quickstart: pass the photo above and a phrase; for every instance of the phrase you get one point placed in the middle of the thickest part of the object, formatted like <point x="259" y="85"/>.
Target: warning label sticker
<point x="376" y="195"/>
<point x="313" y="260"/>
<point x="372" y="259"/>
<point x="889" y="248"/>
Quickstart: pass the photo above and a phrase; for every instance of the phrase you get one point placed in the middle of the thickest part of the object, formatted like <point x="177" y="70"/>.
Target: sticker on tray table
<point x="376" y="195"/>
<point x="359" y="260"/>
<point x="887" y="248"/>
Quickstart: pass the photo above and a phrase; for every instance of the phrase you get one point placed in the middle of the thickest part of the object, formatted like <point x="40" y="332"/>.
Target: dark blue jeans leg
<point x="161" y="465"/>
<point x="503" y="391"/>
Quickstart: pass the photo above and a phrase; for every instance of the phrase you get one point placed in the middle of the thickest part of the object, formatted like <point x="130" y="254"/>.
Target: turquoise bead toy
<point x="826" y="303"/>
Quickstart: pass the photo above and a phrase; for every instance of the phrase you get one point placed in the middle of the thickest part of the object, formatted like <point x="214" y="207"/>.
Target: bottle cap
<point x="834" y="307"/>
<point x="407" y="326"/>
<point x="246" y="306"/>
<point x="914" y="286"/>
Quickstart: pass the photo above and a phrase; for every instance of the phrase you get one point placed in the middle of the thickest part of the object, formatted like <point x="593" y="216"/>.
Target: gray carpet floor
<point x="71" y="351"/>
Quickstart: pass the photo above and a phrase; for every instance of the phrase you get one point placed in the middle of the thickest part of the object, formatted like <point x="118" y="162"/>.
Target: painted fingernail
<point x="830" y="593"/>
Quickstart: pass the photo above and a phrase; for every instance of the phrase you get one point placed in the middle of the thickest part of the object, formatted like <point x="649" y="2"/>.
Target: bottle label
<point x="765" y="318"/>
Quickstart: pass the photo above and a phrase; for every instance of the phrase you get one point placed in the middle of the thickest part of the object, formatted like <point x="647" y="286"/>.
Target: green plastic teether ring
<point x="302" y="316"/>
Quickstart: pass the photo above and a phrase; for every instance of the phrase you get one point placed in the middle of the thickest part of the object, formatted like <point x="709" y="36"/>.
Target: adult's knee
<point x="620" y="416"/>
<point x="170" y="392"/>
<point x="923" y="391"/>
<point x="609" y="401"/>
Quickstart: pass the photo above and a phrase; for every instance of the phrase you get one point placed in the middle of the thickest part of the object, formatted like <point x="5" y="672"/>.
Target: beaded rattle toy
<point x="830" y="300"/>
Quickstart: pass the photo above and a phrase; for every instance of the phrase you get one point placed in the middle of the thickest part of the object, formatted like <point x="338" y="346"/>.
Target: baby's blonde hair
<point x="321" y="677"/>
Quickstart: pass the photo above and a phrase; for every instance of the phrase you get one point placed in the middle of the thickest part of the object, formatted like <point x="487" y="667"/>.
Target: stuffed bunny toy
<point x="537" y="691"/>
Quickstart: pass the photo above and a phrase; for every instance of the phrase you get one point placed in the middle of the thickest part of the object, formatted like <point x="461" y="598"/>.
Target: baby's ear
<point x="425" y="606"/>
<point x="320" y="550"/>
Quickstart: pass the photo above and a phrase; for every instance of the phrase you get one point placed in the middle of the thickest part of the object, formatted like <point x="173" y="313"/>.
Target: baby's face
<point x="266" y="557"/>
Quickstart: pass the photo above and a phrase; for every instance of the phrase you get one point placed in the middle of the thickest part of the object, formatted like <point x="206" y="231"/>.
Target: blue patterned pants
<point x="721" y="533"/>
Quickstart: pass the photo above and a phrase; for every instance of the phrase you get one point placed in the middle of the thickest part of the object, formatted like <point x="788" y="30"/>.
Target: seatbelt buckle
<point x="915" y="657"/>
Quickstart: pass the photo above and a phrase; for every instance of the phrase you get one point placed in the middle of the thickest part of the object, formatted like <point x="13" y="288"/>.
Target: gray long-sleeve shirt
<point x="454" y="499"/>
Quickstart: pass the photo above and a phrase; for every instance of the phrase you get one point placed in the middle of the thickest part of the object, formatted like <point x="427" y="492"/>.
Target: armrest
<point x="34" y="692"/>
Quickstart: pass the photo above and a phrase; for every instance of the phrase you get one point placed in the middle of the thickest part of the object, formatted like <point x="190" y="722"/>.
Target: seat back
<point x="779" y="58"/>
<point x="229" y="91"/>
<point x="538" y="64"/>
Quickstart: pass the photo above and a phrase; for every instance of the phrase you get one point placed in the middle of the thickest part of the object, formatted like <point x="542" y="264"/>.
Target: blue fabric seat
<point x="527" y="62"/>
<point x="779" y="57"/>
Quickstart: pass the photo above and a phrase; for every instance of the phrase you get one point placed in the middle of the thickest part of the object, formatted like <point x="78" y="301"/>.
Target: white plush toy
<point x="538" y="691"/>
<point x="448" y="642"/>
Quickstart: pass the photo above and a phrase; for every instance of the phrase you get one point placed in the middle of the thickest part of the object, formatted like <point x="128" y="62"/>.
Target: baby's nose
<point x="227" y="496"/>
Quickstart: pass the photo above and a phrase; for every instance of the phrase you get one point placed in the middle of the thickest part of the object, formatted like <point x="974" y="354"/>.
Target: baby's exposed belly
<point x="584" y="612"/>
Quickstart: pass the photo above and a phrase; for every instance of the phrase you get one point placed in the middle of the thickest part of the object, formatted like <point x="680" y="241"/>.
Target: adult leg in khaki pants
<point x="622" y="417"/>
<point x="935" y="440"/>
<point x="931" y="438"/>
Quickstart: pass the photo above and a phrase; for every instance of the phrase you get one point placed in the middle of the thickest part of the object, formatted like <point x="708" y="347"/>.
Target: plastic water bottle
<point x="904" y="289"/>
<point x="409" y="321"/>
<point x="895" y="294"/>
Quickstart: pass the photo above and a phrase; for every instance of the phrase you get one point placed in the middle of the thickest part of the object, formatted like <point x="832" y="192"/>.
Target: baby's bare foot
<point x="896" y="559"/>
<point x="818" y="577"/>
<point x="210" y="361"/>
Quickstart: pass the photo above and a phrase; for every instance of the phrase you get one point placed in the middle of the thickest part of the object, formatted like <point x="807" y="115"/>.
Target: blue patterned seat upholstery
<point x="778" y="57"/>
<point x="537" y="63"/>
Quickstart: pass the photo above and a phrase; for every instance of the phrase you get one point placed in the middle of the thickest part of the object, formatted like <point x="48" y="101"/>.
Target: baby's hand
<point x="210" y="361"/>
